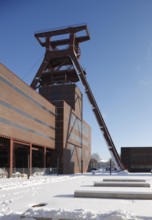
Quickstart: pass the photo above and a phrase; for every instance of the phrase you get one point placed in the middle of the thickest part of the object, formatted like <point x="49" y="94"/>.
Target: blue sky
<point x="117" y="59"/>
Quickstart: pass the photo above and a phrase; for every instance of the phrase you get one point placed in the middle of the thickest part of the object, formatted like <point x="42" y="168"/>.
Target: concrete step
<point x="124" y="180"/>
<point x="121" y="184"/>
<point x="42" y="218"/>
<point x="113" y="194"/>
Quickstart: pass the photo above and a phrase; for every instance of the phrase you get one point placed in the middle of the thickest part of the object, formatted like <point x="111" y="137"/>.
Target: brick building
<point x="73" y="134"/>
<point x="137" y="159"/>
<point x="50" y="131"/>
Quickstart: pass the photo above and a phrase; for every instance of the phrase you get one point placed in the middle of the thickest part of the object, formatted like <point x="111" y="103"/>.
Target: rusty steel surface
<point x="61" y="65"/>
<point x="58" y="43"/>
<point x="45" y="38"/>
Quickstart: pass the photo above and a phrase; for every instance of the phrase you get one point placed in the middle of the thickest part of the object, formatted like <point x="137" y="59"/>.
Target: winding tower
<point x="61" y="66"/>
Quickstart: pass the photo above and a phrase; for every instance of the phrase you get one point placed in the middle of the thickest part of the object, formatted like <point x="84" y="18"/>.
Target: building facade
<point x="27" y="124"/>
<point x="73" y="134"/>
<point x="137" y="159"/>
<point x="46" y="132"/>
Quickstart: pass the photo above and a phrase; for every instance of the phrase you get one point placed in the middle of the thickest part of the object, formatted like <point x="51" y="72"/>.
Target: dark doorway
<point x="37" y="157"/>
<point x="4" y="153"/>
<point x="20" y="156"/>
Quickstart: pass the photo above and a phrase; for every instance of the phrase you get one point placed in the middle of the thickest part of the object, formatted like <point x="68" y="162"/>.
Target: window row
<point x="3" y="103"/>
<point x="25" y="95"/>
<point x="10" y="123"/>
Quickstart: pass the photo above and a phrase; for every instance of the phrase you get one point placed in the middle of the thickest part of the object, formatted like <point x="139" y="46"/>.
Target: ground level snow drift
<point x="53" y="197"/>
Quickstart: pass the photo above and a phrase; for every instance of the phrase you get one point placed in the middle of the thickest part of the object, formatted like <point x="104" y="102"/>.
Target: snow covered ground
<point x="55" y="195"/>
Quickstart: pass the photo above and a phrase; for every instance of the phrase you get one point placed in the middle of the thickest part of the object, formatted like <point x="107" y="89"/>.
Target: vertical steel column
<point x="11" y="157"/>
<point x="44" y="157"/>
<point x="30" y="158"/>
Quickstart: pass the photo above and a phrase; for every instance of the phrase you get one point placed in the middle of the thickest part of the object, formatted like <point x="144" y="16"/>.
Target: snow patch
<point x="123" y="173"/>
<point x="78" y="214"/>
<point x="18" y="194"/>
<point x="5" y="207"/>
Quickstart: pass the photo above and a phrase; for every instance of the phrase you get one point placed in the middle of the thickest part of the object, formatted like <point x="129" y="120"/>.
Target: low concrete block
<point x="113" y="194"/>
<point x="121" y="184"/>
<point x="41" y="218"/>
<point x="124" y="180"/>
<point x="33" y="217"/>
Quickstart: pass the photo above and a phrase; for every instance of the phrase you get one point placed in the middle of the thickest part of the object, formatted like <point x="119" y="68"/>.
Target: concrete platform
<point x="43" y="218"/>
<point x="124" y="180"/>
<point x="36" y="218"/>
<point x="121" y="184"/>
<point x="113" y="194"/>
